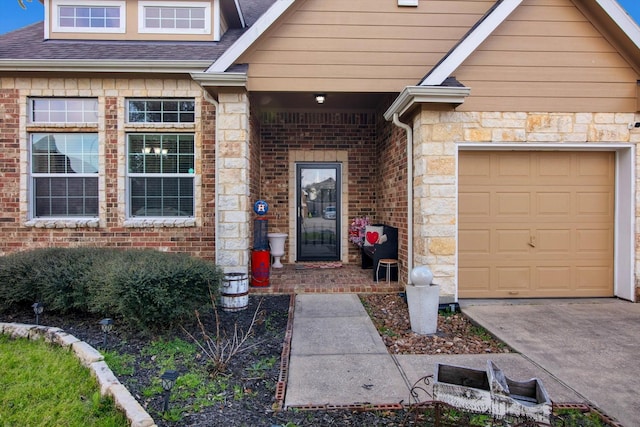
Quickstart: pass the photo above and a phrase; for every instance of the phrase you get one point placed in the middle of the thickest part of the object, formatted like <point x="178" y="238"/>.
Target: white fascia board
<point x="413" y="95"/>
<point x="622" y="19"/>
<point x="240" y="14"/>
<point x="47" y="20"/>
<point x="220" y="79"/>
<point x="263" y="23"/>
<point x="470" y="43"/>
<point x="151" y="67"/>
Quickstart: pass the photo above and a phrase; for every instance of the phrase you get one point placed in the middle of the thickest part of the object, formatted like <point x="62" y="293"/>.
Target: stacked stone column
<point x="232" y="176"/>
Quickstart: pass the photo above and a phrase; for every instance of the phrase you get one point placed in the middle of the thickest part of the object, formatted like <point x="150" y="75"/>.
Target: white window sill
<point x="160" y="222"/>
<point x="63" y="223"/>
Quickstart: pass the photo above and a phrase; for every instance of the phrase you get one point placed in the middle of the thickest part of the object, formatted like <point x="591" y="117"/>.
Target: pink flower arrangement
<point x="357" y="229"/>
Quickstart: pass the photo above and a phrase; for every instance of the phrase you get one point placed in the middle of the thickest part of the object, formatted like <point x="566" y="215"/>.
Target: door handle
<point x="532" y="241"/>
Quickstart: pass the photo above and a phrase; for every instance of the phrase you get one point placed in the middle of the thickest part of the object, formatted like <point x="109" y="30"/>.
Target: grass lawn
<point x="45" y="385"/>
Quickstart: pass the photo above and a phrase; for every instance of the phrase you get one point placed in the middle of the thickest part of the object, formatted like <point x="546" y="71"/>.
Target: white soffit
<point x="470" y="42"/>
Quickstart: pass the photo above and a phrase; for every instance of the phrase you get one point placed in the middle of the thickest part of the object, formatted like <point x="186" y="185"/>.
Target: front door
<point x="318" y="191"/>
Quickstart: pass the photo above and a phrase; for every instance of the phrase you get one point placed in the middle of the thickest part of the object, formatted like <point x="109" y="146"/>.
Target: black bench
<point x="371" y="255"/>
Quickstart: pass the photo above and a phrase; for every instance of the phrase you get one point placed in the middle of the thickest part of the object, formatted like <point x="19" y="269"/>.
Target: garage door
<point x="536" y="224"/>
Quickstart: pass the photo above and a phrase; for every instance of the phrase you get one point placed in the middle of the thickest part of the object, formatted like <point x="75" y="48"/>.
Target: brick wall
<point x="391" y="206"/>
<point x="316" y="132"/>
<point x="18" y="234"/>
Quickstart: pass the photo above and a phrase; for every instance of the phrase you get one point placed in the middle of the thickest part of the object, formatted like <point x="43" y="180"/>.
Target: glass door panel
<point x="318" y="211"/>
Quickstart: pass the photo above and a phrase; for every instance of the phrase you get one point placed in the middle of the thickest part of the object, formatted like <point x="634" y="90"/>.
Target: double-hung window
<point x="168" y="17"/>
<point x="161" y="164"/>
<point x="89" y="17"/>
<point x="63" y="165"/>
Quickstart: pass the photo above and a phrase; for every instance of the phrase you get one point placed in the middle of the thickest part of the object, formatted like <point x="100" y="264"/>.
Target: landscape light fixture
<point x="320" y="98"/>
<point x="168" y="380"/>
<point x="38" y="308"/>
<point x="106" y="325"/>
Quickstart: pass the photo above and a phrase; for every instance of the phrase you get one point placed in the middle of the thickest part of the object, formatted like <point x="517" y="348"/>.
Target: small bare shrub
<point x="221" y="347"/>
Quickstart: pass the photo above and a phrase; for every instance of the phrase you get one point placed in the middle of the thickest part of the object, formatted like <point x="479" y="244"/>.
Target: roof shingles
<point x="28" y="44"/>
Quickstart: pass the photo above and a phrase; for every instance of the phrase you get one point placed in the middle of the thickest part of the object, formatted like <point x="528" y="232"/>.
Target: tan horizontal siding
<point x="548" y="57"/>
<point x="545" y="74"/>
<point x="302" y="45"/>
<point x="552" y="89"/>
<point x="321" y="84"/>
<point x="542" y="43"/>
<point x="340" y="71"/>
<point x="359" y="45"/>
<point x="576" y="60"/>
<point x="382" y="59"/>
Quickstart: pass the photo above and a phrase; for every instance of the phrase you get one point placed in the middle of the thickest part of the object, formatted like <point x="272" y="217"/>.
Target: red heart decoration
<point x="372" y="237"/>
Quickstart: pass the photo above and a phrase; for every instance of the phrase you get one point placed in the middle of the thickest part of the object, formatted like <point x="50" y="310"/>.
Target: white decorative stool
<point x="387" y="263"/>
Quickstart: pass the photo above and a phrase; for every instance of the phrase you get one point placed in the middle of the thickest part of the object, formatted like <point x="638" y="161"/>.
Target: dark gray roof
<point x="28" y="44"/>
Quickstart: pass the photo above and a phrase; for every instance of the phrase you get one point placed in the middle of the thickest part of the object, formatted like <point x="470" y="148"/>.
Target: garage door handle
<point x="532" y="242"/>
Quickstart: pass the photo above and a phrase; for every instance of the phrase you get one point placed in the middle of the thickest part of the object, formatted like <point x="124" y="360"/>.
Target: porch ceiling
<point x="335" y="101"/>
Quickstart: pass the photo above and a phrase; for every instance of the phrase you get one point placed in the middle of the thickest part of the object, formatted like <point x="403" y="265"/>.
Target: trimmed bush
<point x="144" y="289"/>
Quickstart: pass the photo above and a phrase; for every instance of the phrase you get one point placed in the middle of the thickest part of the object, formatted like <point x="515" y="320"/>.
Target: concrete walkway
<point x="338" y="359"/>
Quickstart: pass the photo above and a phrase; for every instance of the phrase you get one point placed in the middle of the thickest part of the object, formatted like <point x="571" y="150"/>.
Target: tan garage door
<point x="536" y="224"/>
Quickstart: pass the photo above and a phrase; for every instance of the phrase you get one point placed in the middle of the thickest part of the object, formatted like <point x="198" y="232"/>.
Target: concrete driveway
<point x="590" y="345"/>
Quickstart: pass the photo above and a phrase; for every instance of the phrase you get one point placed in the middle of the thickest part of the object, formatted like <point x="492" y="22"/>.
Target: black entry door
<point x="318" y="199"/>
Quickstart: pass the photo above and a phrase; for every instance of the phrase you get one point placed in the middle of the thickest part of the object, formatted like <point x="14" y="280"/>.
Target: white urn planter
<point x="423" y="299"/>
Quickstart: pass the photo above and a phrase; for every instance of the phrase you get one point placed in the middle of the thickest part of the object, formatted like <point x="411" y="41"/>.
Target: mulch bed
<point x="258" y="404"/>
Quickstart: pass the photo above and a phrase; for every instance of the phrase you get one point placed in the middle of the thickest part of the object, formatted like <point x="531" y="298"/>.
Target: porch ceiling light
<point x="320" y="98"/>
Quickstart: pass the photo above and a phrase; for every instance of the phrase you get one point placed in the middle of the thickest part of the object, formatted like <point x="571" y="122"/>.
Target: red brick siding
<point x="197" y="241"/>
<point x="391" y="206"/>
<point x="9" y="161"/>
<point x="351" y="132"/>
<point x="255" y="169"/>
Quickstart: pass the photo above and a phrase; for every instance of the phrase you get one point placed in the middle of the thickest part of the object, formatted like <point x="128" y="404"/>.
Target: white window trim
<point x="105" y="3"/>
<point x="65" y="124"/>
<point x="167" y="221"/>
<point x="90" y="220"/>
<point x="141" y="22"/>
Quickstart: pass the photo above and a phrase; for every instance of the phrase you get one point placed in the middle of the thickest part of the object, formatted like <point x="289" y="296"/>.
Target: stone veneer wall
<point x="436" y="138"/>
<point x="315" y="134"/>
<point x="112" y="228"/>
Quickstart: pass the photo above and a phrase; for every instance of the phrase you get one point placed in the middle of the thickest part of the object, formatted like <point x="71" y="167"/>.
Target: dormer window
<point x="89" y="17"/>
<point x="166" y="17"/>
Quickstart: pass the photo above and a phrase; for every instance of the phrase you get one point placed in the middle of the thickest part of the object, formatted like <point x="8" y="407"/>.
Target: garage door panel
<point x="475" y="170"/>
<point x="512" y="168"/>
<point x="554" y="278"/>
<point x="510" y="204"/>
<point x="477" y="279"/>
<point x="553" y="203"/>
<point x="591" y="241"/>
<point x="554" y="167"/>
<point x="475" y="241"/>
<point x="550" y="223"/>
<point x="555" y="241"/>
<point x="512" y="278"/>
<point x="511" y="241"/>
<point x="475" y="204"/>
<point x="592" y="203"/>
<point x="593" y="277"/>
<point x="594" y="168"/>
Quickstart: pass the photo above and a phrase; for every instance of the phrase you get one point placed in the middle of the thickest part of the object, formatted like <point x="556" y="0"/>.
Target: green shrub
<point x="149" y="288"/>
<point x="139" y="288"/>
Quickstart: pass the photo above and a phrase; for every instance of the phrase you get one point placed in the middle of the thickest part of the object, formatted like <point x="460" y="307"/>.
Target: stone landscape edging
<point x="92" y="359"/>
